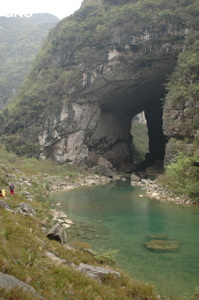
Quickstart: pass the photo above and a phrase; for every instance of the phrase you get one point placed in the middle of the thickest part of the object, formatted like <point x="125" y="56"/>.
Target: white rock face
<point x="71" y="148"/>
<point x="64" y="135"/>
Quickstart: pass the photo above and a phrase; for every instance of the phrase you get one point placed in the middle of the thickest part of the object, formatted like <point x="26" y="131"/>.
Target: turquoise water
<point x="122" y="220"/>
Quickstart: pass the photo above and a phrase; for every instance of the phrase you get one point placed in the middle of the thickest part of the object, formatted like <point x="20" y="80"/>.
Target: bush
<point x="182" y="176"/>
<point x="107" y="257"/>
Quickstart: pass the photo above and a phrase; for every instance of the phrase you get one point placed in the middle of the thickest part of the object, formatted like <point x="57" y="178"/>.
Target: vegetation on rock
<point x="183" y="94"/>
<point x="81" y="38"/>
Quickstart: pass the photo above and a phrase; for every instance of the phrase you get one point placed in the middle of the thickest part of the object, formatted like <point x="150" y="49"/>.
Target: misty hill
<point x="21" y="38"/>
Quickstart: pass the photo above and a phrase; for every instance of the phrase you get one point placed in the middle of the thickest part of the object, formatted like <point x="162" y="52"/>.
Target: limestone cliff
<point x="98" y="69"/>
<point x="181" y="109"/>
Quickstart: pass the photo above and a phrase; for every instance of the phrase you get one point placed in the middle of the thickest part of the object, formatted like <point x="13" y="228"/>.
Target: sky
<point x="59" y="8"/>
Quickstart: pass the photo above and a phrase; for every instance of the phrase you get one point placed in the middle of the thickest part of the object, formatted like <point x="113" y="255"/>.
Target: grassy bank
<point x="24" y="243"/>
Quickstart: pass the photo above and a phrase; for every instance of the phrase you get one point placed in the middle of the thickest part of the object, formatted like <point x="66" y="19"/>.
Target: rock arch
<point x="96" y="122"/>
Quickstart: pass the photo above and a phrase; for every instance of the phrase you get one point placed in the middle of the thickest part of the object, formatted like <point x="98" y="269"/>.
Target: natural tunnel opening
<point x="127" y="102"/>
<point x="150" y="135"/>
<point x="153" y="112"/>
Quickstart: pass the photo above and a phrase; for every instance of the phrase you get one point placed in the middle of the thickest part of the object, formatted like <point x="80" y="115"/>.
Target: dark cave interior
<point x="130" y="101"/>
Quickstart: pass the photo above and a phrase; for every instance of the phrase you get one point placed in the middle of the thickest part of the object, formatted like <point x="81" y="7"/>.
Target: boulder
<point x="104" y="162"/>
<point x="57" y="260"/>
<point x="9" y="282"/>
<point x="135" y="178"/>
<point x="58" y="233"/>
<point x="25" y="209"/>
<point x="97" y="273"/>
<point x="103" y="170"/>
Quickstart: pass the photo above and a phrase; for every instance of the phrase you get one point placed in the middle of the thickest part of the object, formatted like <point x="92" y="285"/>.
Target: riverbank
<point x="152" y="188"/>
<point x="59" y="185"/>
<point x="24" y="243"/>
<point x="32" y="266"/>
<point x="154" y="191"/>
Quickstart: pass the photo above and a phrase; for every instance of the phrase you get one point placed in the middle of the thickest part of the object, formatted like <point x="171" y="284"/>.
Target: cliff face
<point x="181" y="109"/>
<point x="93" y="76"/>
<point x="96" y="122"/>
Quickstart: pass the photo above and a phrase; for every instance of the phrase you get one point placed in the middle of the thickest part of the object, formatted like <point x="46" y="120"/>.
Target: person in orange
<point x="2" y="193"/>
<point x="12" y="189"/>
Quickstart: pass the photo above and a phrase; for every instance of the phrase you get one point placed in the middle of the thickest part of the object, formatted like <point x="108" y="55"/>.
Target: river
<point x="122" y="218"/>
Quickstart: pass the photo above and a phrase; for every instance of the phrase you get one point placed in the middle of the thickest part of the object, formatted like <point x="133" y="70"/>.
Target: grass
<point x="22" y="254"/>
<point x="23" y="244"/>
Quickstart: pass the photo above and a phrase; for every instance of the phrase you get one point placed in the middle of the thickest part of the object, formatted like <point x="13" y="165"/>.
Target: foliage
<point x="184" y="83"/>
<point x="183" y="89"/>
<point x="20" y="146"/>
<point x="182" y="175"/>
<point x="21" y="38"/>
<point x="106" y="257"/>
<point x="117" y="2"/>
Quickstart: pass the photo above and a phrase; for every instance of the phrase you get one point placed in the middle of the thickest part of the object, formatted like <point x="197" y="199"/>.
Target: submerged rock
<point x="162" y="245"/>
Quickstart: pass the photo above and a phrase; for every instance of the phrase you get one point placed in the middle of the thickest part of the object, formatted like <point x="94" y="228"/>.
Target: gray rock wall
<point x="96" y="120"/>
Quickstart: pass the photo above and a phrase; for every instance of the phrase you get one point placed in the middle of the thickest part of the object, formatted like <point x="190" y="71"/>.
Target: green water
<point x="121" y="220"/>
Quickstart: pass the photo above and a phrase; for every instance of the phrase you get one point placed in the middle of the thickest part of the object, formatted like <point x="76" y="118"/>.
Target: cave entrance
<point x="152" y="120"/>
<point x="132" y="136"/>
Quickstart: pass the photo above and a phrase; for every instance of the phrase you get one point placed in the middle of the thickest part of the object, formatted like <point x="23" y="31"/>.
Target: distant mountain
<point x="20" y="39"/>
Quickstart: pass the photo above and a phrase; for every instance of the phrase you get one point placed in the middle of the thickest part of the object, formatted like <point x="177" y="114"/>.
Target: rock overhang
<point x="129" y="80"/>
<point x="126" y="77"/>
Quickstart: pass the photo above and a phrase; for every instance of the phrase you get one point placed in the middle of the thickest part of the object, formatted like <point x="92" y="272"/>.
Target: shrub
<point x="182" y="176"/>
<point x="107" y="257"/>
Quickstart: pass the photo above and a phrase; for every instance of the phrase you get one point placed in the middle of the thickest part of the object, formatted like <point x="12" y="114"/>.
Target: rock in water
<point x="162" y="245"/>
